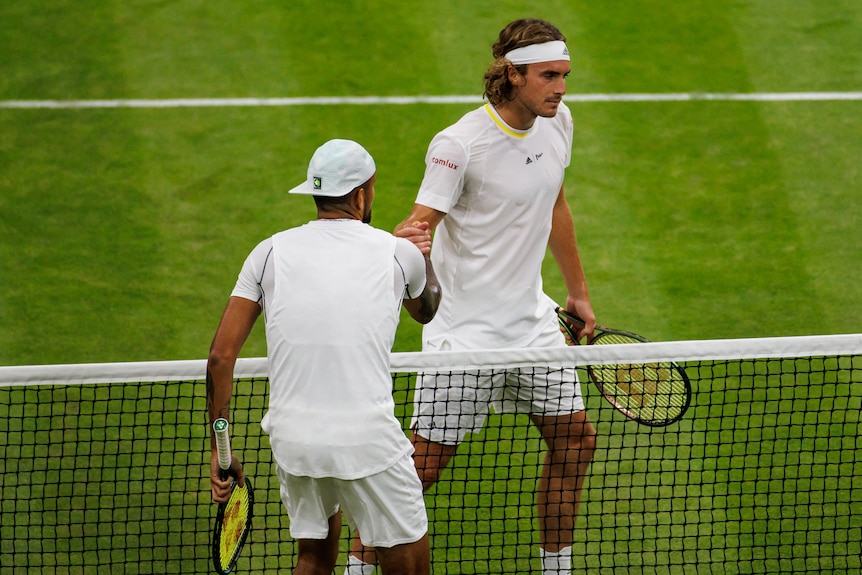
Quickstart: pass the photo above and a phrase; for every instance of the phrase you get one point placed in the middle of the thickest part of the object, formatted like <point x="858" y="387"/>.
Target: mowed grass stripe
<point x="80" y="239"/>
<point x="210" y="180"/>
<point x="684" y="205"/>
<point x="821" y="177"/>
<point x="728" y="241"/>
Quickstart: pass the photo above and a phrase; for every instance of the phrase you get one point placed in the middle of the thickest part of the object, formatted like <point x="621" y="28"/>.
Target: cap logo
<point x="335" y="169"/>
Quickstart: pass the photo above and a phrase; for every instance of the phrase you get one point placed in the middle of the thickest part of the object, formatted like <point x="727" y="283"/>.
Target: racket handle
<point x="570" y="317"/>
<point x="220" y="427"/>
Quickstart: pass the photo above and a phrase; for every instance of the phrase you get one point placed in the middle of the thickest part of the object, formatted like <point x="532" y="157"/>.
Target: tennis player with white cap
<point x="493" y="195"/>
<point x="331" y="291"/>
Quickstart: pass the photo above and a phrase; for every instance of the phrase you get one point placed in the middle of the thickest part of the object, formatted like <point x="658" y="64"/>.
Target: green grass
<point x="122" y="232"/>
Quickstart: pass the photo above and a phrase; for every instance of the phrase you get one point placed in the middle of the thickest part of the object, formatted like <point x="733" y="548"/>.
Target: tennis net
<point x="106" y="466"/>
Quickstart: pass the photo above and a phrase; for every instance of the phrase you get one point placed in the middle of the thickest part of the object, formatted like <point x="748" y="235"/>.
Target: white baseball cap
<point x="336" y="169"/>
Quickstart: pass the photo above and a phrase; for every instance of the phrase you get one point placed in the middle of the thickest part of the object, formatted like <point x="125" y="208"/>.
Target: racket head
<point x="654" y="394"/>
<point x="232" y="525"/>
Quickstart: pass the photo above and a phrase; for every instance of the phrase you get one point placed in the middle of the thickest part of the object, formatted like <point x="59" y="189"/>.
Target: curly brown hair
<point x="517" y="34"/>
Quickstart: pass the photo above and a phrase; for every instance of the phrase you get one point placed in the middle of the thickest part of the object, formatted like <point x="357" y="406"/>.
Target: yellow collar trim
<point x="503" y="125"/>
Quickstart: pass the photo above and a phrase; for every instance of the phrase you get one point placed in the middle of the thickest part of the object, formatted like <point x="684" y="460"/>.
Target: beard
<point x="366" y="219"/>
<point x="545" y="111"/>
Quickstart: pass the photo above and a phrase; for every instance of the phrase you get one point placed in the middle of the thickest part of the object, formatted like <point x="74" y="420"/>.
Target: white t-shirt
<point x="332" y="309"/>
<point x="498" y="187"/>
<point x="256" y="279"/>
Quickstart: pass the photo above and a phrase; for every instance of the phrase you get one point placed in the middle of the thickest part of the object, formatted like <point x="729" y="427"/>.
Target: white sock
<point x="559" y="563"/>
<point x="355" y="566"/>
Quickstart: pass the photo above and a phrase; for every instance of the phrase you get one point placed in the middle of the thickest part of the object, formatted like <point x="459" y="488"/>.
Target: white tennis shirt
<point x="498" y="186"/>
<point x="332" y="292"/>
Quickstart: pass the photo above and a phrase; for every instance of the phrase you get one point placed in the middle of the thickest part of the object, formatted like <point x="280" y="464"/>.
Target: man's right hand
<point x="417" y="232"/>
<point x="221" y="487"/>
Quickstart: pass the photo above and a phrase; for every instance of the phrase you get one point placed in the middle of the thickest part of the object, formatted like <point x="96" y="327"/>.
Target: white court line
<point x="406" y="100"/>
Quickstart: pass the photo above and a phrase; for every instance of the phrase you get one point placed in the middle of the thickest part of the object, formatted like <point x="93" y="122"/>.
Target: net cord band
<point x="564" y="356"/>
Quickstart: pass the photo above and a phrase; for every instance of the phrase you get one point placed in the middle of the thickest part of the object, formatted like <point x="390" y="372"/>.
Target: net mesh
<point x="106" y="467"/>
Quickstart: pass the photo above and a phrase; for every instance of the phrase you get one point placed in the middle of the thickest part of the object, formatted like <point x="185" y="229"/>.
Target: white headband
<point x="546" y="52"/>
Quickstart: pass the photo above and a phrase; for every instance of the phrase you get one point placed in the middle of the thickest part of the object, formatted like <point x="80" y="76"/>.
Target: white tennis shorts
<point x="448" y="405"/>
<point x="387" y="508"/>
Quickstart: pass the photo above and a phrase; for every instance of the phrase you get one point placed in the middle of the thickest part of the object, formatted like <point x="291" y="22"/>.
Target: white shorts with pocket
<point x="387" y="508"/>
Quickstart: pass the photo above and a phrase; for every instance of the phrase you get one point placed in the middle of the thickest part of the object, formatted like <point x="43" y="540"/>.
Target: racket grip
<point x="570" y="317"/>
<point x="220" y="428"/>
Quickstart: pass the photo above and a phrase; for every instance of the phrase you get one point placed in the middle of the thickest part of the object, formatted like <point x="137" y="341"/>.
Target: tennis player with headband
<point x="493" y="195"/>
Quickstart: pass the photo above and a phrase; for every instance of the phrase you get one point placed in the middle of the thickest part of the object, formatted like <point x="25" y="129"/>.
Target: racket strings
<point x="234" y="524"/>
<point x="656" y="386"/>
<point x="653" y="392"/>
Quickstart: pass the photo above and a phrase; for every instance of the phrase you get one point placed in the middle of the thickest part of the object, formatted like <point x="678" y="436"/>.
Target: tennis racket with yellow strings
<point x="233" y="519"/>
<point x="654" y="394"/>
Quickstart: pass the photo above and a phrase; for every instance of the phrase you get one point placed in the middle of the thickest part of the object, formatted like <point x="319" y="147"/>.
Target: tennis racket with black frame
<point x="233" y="519"/>
<point x="654" y="394"/>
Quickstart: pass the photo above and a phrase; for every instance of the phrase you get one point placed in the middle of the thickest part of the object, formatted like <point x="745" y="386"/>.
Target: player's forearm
<point x="421" y="213"/>
<point x="563" y="244"/>
<point x="573" y="274"/>
<point x="424" y="308"/>
<point x="219" y="380"/>
<point x="218" y="393"/>
<point x="236" y="323"/>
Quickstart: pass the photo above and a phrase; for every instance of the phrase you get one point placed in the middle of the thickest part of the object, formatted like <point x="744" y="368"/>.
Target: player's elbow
<point x="424" y="308"/>
<point x="220" y="358"/>
<point x="430" y="302"/>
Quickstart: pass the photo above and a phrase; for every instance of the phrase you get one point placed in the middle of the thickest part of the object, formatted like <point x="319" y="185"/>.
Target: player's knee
<point x="429" y="475"/>
<point x="575" y="450"/>
<point x="430" y="459"/>
<point x="587" y="445"/>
